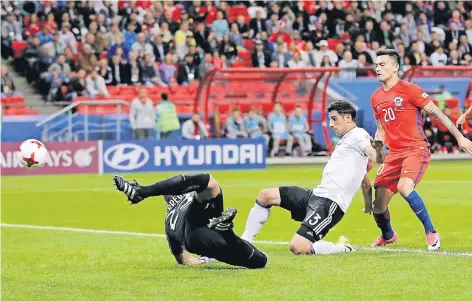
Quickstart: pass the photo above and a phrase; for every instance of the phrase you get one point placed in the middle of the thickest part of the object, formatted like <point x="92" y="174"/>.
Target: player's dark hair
<point x="343" y="108"/>
<point x="164" y="96"/>
<point x="390" y="52"/>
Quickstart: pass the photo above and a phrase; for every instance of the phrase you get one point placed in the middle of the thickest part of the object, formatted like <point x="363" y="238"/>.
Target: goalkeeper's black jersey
<point x="175" y="221"/>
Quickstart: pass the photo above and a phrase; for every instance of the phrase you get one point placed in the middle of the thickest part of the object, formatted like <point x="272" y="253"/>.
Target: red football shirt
<point x="399" y="111"/>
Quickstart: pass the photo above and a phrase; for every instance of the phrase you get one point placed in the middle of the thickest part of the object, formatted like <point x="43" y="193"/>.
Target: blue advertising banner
<point x="180" y="155"/>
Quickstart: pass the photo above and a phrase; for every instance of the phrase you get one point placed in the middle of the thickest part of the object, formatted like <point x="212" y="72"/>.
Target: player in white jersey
<point x="324" y="206"/>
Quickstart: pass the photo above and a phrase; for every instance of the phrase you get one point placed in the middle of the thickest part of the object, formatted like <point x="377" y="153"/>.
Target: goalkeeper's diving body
<point x="195" y="222"/>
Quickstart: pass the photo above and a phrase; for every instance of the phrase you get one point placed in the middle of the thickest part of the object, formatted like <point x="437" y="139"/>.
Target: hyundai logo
<point x="126" y="156"/>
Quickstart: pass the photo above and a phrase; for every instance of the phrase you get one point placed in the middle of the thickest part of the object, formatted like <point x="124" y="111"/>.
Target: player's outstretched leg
<point x="382" y="217"/>
<point x="260" y="213"/>
<point x="322" y="247"/>
<point x="176" y="185"/>
<point x="218" y="241"/>
<point x="406" y="189"/>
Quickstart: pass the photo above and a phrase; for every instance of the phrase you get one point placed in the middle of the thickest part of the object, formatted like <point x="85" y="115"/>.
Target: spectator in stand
<point x="348" y="66"/>
<point x="299" y="128"/>
<point x="44" y="36"/>
<point x="194" y="128"/>
<point x="465" y="43"/>
<point x="235" y="36"/>
<point x="296" y="61"/>
<point x="468" y="30"/>
<point x="8" y="86"/>
<point x="369" y="33"/>
<point x="67" y="38"/>
<point x="234" y="126"/>
<point x="255" y="125"/>
<point x="119" y="71"/>
<point x="119" y="43"/>
<point x="87" y="59"/>
<point x="281" y="56"/>
<point x="142" y="116"/>
<point x="308" y="56"/>
<point x="77" y="86"/>
<point x="324" y="50"/>
<point x="220" y="25"/>
<point x="286" y="38"/>
<point x="228" y="48"/>
<point x="363" y="66"/>
<point x="150" y="75"/>
<point x="167" y="120"/>
<point x="453" y="59"/>
<point x="326" y="62"/>
<point x="188" y="72"/>
<point x="11" y="31"/>
<point x="243" y="28"/>
<point x="422" y="45"/>
<point x="166" y="33"/>
<point x="206" y="65"/>
<point x="439" y="58"/>
<point x="257" y="25"/>
<point x="141" y="44"/>
<point x="105" y="71"/>
<point x="359" y="50"/>
<point x="192" y="50"/>
<point x="160" y="48"/>
<point x="95" y="85"/>
<point x="168" y="70"/>
<point x="57" y="78"/>
<point x="33" y="27"/>
<point x="130" y="36"/>
<point x="135" y="75"/>
<point x="50" y="23"/>
<point x="260" y="58"/>
<point x="277" y="123"/>
<point x="415" y="54"/>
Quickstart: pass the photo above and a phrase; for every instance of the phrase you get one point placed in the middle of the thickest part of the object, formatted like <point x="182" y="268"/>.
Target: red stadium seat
<point x="452" y="103"/>
<point x="13" y="100"/>
<point x="267" y="108"/>
<point x="245" y="107"/>
<point x="288" y="107"/>
<point x="18" y="47"/>
<point x="223" y="108"/>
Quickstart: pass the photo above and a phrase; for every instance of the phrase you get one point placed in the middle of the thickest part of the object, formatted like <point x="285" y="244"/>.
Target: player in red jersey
<point x="397" y="107"/>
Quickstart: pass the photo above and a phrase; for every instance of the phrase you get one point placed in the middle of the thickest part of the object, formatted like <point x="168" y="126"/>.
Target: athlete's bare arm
<point x="432" y="110"/>
<point x="189" y="259"/>
<point x="380" y="133"/>
<point x="375" y="151"/>
<point x="466" y="116"/>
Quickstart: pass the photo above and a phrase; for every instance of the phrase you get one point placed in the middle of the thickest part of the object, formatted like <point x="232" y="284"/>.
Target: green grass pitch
<point x="40" y="264"/>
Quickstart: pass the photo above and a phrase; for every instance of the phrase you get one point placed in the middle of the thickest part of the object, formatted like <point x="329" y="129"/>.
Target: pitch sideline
<point x="266" y="242"/>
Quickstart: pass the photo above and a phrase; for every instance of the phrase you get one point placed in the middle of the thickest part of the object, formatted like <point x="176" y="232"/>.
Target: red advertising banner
<point x="63" y="158"/>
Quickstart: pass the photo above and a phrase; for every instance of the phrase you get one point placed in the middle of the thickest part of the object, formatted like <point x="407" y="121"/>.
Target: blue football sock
<point x="417" y="205"/>
<point x="383" y="222"/>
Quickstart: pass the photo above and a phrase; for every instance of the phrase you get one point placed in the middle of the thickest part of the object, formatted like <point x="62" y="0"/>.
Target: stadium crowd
<point x="79" y="48"/>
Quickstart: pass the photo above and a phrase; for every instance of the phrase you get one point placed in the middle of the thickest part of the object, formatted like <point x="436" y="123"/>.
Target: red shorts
<point x="412" y="165"/>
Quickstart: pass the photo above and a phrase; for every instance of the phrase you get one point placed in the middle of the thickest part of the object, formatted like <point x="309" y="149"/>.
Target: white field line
<point x="265" y="242"/>
<point x="22" y="190"/>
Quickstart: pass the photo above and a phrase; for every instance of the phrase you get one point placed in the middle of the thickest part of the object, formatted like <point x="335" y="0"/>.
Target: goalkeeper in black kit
<point x="195" y="222"/>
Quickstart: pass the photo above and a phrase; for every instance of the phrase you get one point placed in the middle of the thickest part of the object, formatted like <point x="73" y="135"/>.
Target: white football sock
<point x="257" y="217"/>
<point x="323" y="247"/>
